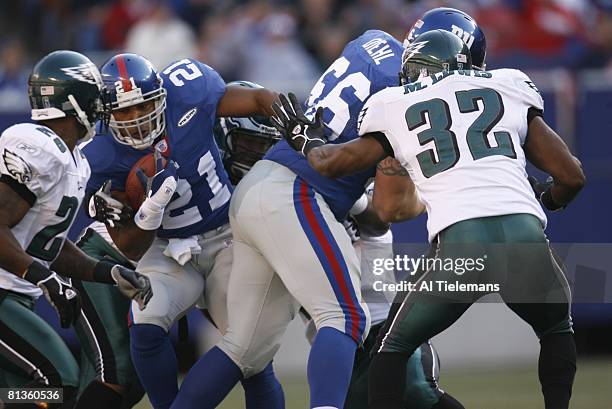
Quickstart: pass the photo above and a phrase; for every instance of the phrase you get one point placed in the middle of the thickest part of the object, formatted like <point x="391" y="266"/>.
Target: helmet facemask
<point x="141" y="132"/>
<point x="245" y="142"/>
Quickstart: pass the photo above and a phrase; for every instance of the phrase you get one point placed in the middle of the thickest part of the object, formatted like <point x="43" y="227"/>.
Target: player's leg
<point x="175" y="290"/>
<point x="311" y="252"/>
<point x="422" y="314"/>
<point x="539" y="293"/>
<point x="259" y="310"/>
<point x="262" y="390"/>
<point x="104" y="335"/>
<point x="30" y="347"/>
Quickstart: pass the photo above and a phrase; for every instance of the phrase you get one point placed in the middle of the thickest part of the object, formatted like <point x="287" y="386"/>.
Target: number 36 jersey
<point x="460" y="136"/>
<point x="39" y="167"/>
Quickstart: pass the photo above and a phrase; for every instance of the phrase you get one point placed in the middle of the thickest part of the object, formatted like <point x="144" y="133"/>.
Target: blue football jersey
<point x="367" y="64"/>
<point x="201" y="200"/>
<point x="108" y="159"/>
<point x="203" y="193"/>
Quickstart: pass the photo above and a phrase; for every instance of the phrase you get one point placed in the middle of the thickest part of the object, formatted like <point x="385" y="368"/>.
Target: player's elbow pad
<point x="151" y="212"/>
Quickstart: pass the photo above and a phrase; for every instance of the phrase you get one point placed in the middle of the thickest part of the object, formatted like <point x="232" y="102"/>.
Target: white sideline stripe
<point x="28" y="363"/>
<point x="93" y="335"/>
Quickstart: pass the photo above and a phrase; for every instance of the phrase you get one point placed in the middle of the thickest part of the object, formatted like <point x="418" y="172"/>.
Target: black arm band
<point x="532" y="113"/>
<point x="21" y="189"/>
<point x="102" y="272"/>
<point x="548" y="201"/>
<point x="36" y="272"/>
<point x="384" y="142"/>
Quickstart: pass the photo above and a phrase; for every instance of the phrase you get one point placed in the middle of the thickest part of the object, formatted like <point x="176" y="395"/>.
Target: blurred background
<point x="489" y="358"/>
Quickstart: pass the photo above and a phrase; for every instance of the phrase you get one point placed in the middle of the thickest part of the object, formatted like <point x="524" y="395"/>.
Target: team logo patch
<point x="70" y="294"/>
<point x="162" y="146"/>
<point x="187" y="117"/>
<point x="297" y="130"/>
<point x="86" y="72"/>
<point x="17" y="167"/>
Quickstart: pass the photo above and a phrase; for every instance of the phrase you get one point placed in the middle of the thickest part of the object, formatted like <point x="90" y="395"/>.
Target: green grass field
<point x="499" y="388"/>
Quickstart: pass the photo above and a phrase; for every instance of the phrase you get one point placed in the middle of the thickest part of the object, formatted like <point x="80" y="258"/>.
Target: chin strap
<point x="83" y="120"/>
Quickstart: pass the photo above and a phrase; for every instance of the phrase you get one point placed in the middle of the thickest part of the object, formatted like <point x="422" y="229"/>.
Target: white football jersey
<point x="460" y="136"/>
<point x="35" y="157"/>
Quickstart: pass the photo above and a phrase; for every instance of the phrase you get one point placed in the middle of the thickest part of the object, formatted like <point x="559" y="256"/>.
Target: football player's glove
<point x="302" y="133"/>
<point x="58" y="291"/>
<point x="160" y="187"/>
<point x="104" y="208"/>
<point x="542" y="192"/>
<point x="132" y="284"/>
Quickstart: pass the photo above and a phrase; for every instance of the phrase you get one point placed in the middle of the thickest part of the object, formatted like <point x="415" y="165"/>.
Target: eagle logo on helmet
<point x="86" y="72"/>
<point x="413" y="48"/>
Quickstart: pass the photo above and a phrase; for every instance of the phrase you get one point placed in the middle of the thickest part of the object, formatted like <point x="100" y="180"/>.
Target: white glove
<point x="151" y="212"/>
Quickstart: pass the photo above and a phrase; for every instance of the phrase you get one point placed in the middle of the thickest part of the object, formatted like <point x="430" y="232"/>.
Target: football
<point x="134" y="190"/>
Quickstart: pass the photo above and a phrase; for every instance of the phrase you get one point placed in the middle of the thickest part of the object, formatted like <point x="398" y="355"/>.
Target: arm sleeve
<point x="372" y="121"/>
<point x="29" y="168"/>
<point x="527" y="91"/>
<point x="212" y="87"/>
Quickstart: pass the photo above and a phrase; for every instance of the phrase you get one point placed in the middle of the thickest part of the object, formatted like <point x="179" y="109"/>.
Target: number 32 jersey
<point x="460" y="136"/>
<point x="368" y="64"/>
<point x="39" y="167"/>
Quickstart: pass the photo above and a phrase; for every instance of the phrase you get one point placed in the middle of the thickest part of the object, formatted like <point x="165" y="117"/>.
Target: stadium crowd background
<point x="565" y="46"/>
<point x="285" y="44"/>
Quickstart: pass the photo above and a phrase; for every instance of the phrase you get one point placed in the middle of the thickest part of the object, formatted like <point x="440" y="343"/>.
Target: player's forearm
<point x="567" y="186"/>
<point x="131" y="240"/>
<point x="73" y="262"/>
<point x="395" y="198"/>
<point x="13" y="258"/>
<point x="264" y="99"/>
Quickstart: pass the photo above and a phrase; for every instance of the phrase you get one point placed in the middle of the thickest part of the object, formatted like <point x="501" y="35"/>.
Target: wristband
<point x="360" y="205"/>
<point x="36" y="273"/>
<point x="548" y="201"/>
<point x="102" y="272"/>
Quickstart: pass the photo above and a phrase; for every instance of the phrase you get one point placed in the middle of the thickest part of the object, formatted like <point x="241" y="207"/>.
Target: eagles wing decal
<point x="413" y="49"/>
<point x="86" y="72"/>
<point x="17" y="167"/>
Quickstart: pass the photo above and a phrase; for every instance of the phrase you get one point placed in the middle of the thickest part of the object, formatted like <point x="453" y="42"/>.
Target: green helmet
<point x="431" y="52"/>
<point x="66" y="83"/>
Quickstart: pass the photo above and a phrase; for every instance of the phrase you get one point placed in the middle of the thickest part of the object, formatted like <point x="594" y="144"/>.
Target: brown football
<point x="133" y="188"/>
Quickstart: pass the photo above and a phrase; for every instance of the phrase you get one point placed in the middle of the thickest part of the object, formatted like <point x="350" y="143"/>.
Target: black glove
<point x="301" y="133"/>
<point x="132" y="284"/>
<point x="104" y="208"/>
<point x="58" y="290"/>
<point x="542" y="192"/>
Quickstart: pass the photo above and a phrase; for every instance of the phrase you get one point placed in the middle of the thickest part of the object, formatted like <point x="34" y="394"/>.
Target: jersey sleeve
<point x="191" y="83"/>
<point x="526" y="90"/>
<point x="28" y="165"/>
<point x="372" y="120"/>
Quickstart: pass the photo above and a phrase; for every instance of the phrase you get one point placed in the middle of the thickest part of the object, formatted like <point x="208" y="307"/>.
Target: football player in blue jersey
<point x="282" y="205"/>
<point x="180" y="233"/>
